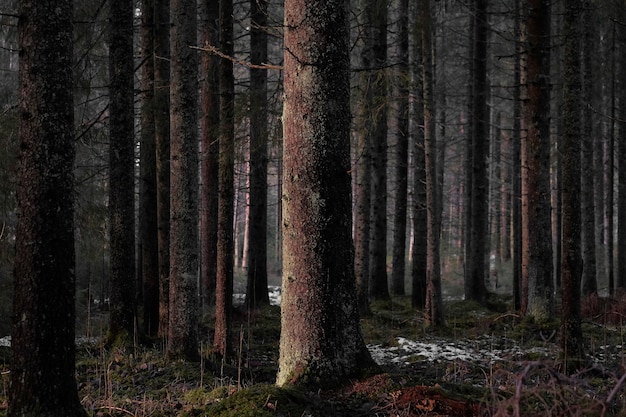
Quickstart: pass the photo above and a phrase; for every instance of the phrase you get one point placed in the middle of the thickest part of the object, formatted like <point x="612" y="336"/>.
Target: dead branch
<point x="213" y="50"/>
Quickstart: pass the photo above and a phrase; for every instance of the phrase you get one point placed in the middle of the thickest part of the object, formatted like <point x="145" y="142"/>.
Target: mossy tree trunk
<point x="321" y="340"/>
<point x="43" y="368"/>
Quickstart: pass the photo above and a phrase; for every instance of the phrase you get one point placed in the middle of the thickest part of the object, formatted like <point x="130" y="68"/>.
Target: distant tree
<point x="571" y="337"/>
<point x="401" y="107"/>
<point x="44" y="356"/>
<point x="621" y="156"/>
<point x="256" y="291"/>
<point x="434" y="301"/>
<point x="475" y="278"/>
<point x="537" y="280"/>
<point x="516" y="175"/>
<point x="225" y="240"/>
<point x="148" y="227"/>
<point x="379" y="284"/>
<point x="321" y="339"/>
<point x="121" y="174"/>
<point x="183" y="321"/>
<point x="209" y="126"/>
<point x="162" y="139"/>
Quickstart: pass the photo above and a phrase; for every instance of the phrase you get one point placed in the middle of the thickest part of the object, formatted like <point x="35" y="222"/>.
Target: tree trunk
<point x="402" y="152"/>
<point x="148" y="228"/>
<point x="183" y="321"/>
<point x="225" y="240"/>
<point x="379" y="285"/>
<point x="590" y="283"/>
<point x="621" y="152"/>
<point x="209" y="125"/>
<point x="537" y="284"/>
<point x="256" y="292"/>
<point x="516" y="179"/>
<point x="121" y="174"/>
<point x="609" y="168"/>
<point x="434" y="302"/>
<point x="43" y="368"/>
<point x="321" y="339"/>
<point x="479" y="227"/>
<point x="571" y="263"/>
<point x="162" y="132"/>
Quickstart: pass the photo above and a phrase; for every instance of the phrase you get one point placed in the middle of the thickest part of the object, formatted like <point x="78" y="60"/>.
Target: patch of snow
<point x="274" y="293"/>
<point x="5" y="341"/>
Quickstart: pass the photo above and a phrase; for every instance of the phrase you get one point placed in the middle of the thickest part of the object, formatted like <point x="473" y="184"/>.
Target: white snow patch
<point x="5" y="341"/>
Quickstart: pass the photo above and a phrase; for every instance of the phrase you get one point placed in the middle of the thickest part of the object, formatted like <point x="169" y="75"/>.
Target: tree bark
<point x="537" y="284"/>
<point x="256" y="291"/>
<point x="321" y="339"/>
<point x="209" y="125"/>
<point x="571" y="337"/>
<point x="225" y="240"/>
<point x="43" y="367"/>
<point x="183" y="319"/>
<point x="162" y="132"/>
<point x="121" y="175"/>
<point x="401" y="152"/>
<point x="148" y="227"/>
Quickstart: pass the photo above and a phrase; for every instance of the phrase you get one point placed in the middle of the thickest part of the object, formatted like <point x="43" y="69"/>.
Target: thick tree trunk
<point x="43" y="368"/>
<point x="209" y="125"/>
<point x="571" y="263"/>
<point x="121" y="174"/>
<point x="148" y="227"/>
<point x="225" y="240"/>
<point x="537" y="280"/>
<point x="256" y="291"/>
<point x="401" y="152"/>
<point x="162" y="132"/>
<point x="321" y="339"/>
<point x="183" y="320"/>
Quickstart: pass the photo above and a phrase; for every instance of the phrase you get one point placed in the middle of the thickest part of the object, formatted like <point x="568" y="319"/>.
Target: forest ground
<point x="485" y="362"/>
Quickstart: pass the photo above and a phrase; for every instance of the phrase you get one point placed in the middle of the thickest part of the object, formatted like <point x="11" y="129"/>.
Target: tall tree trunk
<point x="363" y="188"/>
<point x="209" y="125"/>
<point x="571" y="270"/>
<point x="479" y="227"/>
<point x="609" y="183"/>
<point x="590" y="283"/>
<point x="420" y="217"/>
<point x="516" y="179"/>
<point x="434" y="302"/>
<point x="621" y="157"/>
<point x="537" y="284"/>
<point x="121" y="174"/>
<point x="183" y="320"/>
<point x="44" y="356"/>
<point x="321" y="338"/>
<point x="162" y="133"/>
<point x="379" y="285"/>
<point x="401" y="152"/>
<point x="225" y="240"/>
<point x="256" y="292"/>
<point x="148" y="228"/>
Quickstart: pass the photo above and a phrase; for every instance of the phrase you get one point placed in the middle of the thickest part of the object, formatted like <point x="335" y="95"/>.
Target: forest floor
<point x="485" y="362"/>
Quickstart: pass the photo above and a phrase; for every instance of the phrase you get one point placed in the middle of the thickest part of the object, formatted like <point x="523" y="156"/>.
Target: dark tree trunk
<point x="609" y="175"/>
<point x="225" y="240"/>
<point x="621" y="157"/>
<point x="121" y="174"/>
<point x="183" y="320"/>
<point x="537" y="283"/>
<point x="420" y="218"/>
<point x="162" y="133"/>
<point x="401" y="152"/>
<point x="43" y="368"/>
<point x="479" y="211"/>
<point x="516" y="176"/>
<point x="209" y="124"/>
<point x="363" y="188"/>
<point x="379" y="284"/>
<point x="571" y="262"/>
<point x="321" y="339"/>
<point x="256" y="291"/>
<point x="434" y="301"/>
<point x="590" y="283"/>
<point x="148" y="227"/>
